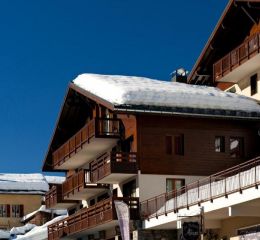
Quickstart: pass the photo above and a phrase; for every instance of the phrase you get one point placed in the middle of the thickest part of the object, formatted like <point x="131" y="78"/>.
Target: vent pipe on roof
<point x="179" y="75"/>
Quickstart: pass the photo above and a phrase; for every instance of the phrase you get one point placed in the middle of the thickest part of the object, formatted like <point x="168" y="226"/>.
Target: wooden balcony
<point x="79" y="186"/>
<point x="54" y="200"/>
<point x="114" y="167"/>
<point x="95" y="137"/>
<point x="240" y="62"/>
<point x="88" y="220"/>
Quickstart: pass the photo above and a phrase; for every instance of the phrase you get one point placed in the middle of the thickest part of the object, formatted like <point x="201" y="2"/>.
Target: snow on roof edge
<point x="122" y="91"/>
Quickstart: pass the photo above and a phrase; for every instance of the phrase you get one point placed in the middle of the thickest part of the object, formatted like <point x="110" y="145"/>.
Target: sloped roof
<point x="135" y="91"/>
<point x="35" y="183"/>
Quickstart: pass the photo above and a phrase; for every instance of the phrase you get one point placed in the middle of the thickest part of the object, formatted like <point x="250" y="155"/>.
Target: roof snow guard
<point x="139" y="94"/>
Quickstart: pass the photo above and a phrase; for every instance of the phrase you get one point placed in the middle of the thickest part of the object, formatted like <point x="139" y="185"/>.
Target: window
<point x="168" y="145"/>
<point x="178" y="144"/>
<point x="220" y="144"/>
<point x="17" y="211"/>
<point x="236" y="147"/>
<point x="173" y="184"/>
<point x="4" y="210"/>
<point x="253" y="84"/>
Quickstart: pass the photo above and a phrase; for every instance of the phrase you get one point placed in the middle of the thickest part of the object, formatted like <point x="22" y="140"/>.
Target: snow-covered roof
<point x="43" y="209"/>
<point x="34" y="183"/>
<point x="55" y="179"/>
<point x="23" y="183"/>
<point x="130" y="92"/>
<point x="4" y="234"/>
<point x="41" y="232"/>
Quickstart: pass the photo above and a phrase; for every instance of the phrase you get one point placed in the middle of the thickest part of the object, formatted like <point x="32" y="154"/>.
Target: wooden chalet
<point x="130" y="152"/>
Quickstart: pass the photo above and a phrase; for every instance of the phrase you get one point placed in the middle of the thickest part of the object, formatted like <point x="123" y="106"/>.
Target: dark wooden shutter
<point x="179" y="144"/>
<point x="21" y="211"/>
<point x="8" y="209"/>
<point x="168" y="145"/>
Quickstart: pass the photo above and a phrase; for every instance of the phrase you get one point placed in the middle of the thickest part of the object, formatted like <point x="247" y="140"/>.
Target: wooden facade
<point x="199" y="156"/>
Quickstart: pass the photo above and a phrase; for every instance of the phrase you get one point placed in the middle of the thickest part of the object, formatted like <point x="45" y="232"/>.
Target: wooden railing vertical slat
<point x="243" y="52"/>
<point x="99" y="127"/>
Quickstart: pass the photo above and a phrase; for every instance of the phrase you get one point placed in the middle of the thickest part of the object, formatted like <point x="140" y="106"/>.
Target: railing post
<point x="147" y="210"/>
<point x="165" y="201"/>
<point x="156" y="206"/>
<point x="240" y="189"/>
<point x="256" y="185"/>
<point x="198" y="192"/>
<point x="186" y="190"/>
<point x="226" y="195"/>
<point x="210" y="189"/>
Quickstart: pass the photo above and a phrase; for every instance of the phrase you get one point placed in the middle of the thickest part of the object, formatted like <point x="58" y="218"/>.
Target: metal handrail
<point x="234" y="179"/>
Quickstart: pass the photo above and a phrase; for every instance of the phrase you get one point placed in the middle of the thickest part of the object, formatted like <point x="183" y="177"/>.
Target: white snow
<point x="22" y="230"/>
<point x="43" y="209"/>
<point x="34" y="183"/>
<point x="129" y="90"/>
<point x="4" y="234"/>
<point x="23" y="183"/>
<point x="55" y="179"/>
<point x="41" y="232"/>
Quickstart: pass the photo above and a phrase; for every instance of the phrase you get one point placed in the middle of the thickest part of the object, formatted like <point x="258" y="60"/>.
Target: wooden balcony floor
<point x="88" y="152"/>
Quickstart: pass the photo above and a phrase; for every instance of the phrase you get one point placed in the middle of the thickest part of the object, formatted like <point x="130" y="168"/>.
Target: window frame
<point x="222" y="144"/>
<point x="241" y="147"/>
<point x="174" y="144"/>
<point x="174" y="180"/>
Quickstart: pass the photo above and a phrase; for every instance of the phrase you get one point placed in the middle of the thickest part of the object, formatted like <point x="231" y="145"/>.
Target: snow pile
<point x="41" y="232"/>
<point x="22" y="230"/>
<point x="43" y="209"/>
<point x="23" y="183"/>
<point x="4" y="234"/>
<point x="127" y="90"/>
<point x="55" y="179"/>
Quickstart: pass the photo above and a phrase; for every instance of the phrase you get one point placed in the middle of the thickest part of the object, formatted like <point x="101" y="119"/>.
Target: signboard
<point x="191" y="230"/>
<point x="122" y="212"/>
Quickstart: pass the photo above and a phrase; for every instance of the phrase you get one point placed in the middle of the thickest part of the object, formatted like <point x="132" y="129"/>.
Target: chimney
<point x="179" y="75"/>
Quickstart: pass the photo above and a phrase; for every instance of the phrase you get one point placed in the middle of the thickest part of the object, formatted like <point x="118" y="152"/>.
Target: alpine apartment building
<point x="132" y="138"/>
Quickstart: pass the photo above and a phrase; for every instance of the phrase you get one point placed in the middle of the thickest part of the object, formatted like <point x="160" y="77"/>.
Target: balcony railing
<point x="236" y="57"/>
<point x="77" y="182"/>
<point x="54" y="199"/>
<point x="114" y="162"/>
<point x="86" y="218"/>
<point x="53" y="196"/>
<point x="235" y="179"/>
<point x="99" y="128"/>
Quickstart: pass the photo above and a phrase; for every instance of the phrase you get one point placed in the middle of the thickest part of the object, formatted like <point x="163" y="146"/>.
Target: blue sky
<point x="44" y="44"/>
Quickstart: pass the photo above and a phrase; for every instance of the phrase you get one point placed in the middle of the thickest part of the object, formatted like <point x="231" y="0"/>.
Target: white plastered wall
<point x="151" y="185"/>
<point x="243" y="86"/>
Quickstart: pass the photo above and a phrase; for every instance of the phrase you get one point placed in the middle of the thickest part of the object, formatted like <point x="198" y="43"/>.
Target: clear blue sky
<point x="44" y="44"/>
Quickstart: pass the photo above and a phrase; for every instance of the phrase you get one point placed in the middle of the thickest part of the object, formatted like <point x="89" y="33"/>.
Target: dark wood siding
<point x="199" y="156"/>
